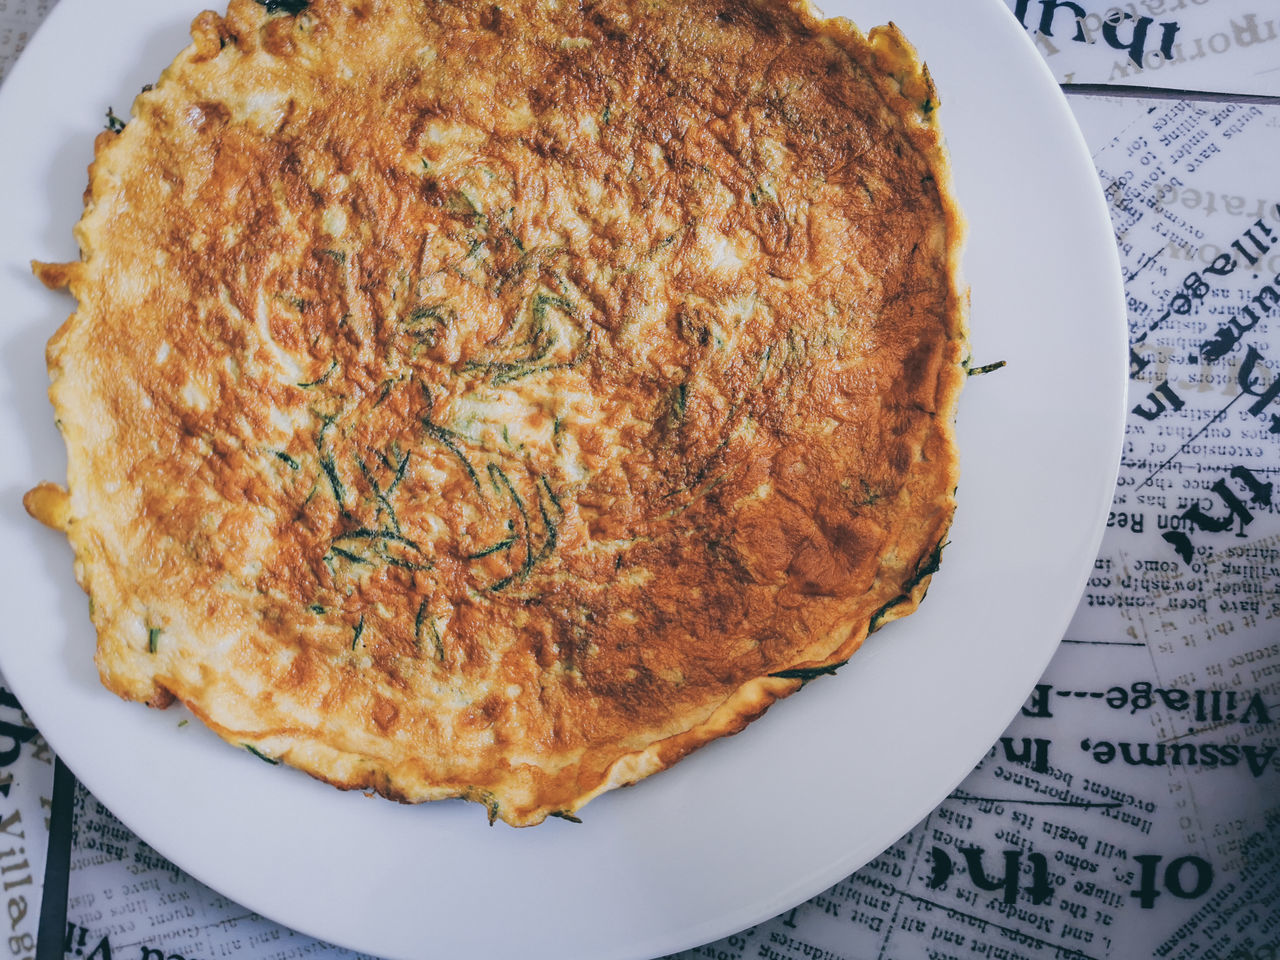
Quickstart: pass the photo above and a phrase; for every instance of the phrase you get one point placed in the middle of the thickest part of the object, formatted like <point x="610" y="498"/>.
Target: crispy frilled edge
<point x="906" y="88"/>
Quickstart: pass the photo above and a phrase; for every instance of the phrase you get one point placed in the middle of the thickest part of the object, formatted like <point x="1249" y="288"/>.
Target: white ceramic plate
<point x="749" y="826"/>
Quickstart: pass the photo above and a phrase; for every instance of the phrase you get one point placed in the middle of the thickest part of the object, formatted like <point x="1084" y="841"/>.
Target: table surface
<point x="1132" y="808"/>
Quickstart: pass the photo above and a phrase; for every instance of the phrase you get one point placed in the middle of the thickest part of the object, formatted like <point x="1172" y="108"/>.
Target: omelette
<point x="503" y="400"/>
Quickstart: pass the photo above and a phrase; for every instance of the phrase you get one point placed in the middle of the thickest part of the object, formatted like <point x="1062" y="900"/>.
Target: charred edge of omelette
<point x="906" y="88"/>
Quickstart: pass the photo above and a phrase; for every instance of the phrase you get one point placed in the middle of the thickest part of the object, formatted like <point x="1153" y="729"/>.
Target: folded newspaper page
<point x="1132" y="808"/>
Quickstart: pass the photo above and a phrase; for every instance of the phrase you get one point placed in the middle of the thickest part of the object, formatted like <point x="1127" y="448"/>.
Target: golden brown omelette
<point x="502" y="400"/>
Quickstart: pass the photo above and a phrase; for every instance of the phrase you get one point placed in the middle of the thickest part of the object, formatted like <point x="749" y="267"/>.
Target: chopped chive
<point x="429" y="336"/>
<point x="114" y="123"/>
<point x="500" y="545"/>
<point x="408" y="564"/>
<point x="356" y="631"/>
<point x="420" y="313"/>
<point x="446" y="437"/>
<point x="153" y="639"/>
<point x="377" y="535"/>
<point x="551" y="493"/>
<point x="417" y="621"/>
<point x="327" y="374"/>
<point x="879" y="615"/>
<point x="459" y="199"/>
<point x="805" y="674"/>
<point x="497" y="471"/>
<point x="519" y="367"/>
<point x="292" y="463"/>
<point x="764" y="364"/>
<point x="331" y="471"/>
<point x="553" y="536"/>
<point x="260" y="755"/>
<point x="425" y="617"/>
<point x="316" y="608"/>
<point x="544" y="300"/>
<point x="679" y="401"/>
<point x="378" y="493"/>
<point x="291" y="7"/>
<point x="518" y="374"/>
<point x="979" y="371"/>
<point x="400" y="468"/>
<point x="928" y="566"/>
<point x="347" y="555"/>
<point x="565" y="814"/>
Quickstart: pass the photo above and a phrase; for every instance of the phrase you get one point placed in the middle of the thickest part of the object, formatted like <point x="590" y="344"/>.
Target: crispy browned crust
<point x="503" y="402"/>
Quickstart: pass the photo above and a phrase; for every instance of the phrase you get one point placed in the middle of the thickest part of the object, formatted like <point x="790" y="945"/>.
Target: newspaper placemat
<point x="26" y="790"/>
<point x="18" y="21"/>
<point x="1132" y="809"/>
<point x="1223" y="46"/>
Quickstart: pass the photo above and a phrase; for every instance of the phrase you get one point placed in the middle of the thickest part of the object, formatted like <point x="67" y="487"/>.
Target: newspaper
<point x="26" y="789"/>
<point x="18" y="20"/>
<point x="1225" y="46"/>
<point x="1132" y="808"/>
